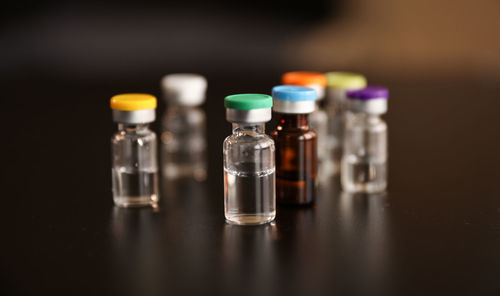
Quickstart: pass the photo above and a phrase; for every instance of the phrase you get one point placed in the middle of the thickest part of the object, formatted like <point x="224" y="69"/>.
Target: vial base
<point x="296" y="192"/>
<point x="250" y="219"/>
<point x="360" y="176"/>
<point x="136" y="201"/>
<point x="135" y="188"/>
<point x="249" y="198"/>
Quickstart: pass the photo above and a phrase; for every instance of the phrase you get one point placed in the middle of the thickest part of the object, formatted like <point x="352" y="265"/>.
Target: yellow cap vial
<point x="345" y="80"/>
<point x="133" y="102"/>
<point x="133" y="108"/>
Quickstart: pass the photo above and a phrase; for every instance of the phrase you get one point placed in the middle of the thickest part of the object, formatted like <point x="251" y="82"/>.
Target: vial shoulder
<point x="307" y="135"/>
<point x="299" y="134"/>
<point x="381" y="126"/>
<point x="256" y="141"/>
<point x="143" y="136"/>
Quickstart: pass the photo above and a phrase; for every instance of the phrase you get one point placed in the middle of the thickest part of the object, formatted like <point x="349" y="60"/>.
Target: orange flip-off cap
<point x="303" y="78"/>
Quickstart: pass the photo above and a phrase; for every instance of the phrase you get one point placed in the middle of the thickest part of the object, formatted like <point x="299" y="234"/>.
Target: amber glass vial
<point x="296" y="151"/>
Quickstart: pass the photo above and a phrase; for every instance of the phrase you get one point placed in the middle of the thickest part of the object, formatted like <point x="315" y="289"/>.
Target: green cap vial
<point x="249" y="168"/>
<point x="248" y="108"/>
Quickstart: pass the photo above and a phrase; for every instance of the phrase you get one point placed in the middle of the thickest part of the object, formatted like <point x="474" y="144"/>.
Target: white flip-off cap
<point x="184" y="89"/>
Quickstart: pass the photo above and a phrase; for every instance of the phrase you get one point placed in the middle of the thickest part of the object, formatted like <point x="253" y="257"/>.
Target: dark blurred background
<point x="439" y="232"/>
<point x="116" y="40"/>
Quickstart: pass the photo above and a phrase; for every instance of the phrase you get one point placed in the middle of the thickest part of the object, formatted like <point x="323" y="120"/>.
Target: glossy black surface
<point x="437" y="231"/>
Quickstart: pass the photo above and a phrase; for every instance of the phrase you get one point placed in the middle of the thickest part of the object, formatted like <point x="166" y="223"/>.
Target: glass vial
<point x="134" y="156"/>
<point x="338" y="83"/>
<point x="318" y="119"/>
<point x="296" y="150"/>
<point x="249" y="170"/>
<point x="364" y="162"/>
<point x="183" y="138"/>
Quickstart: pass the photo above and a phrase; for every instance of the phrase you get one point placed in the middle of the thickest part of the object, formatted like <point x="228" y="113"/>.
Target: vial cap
<point x="304" y="78"/>
<point x="184" y="89"/>
<point x="294" y="99"/>
<point x="345" y="80"/>
<point x="371" y="100"/>
<point x="133" y="102"/>
<point x="368" y="93"/>
<point x="248" y="101"/>
<point x="294" y="93"/>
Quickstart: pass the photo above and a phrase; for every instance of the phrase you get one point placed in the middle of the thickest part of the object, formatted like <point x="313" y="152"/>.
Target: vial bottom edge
<point x="246" y="219"/>
<point x="136" y="201"/>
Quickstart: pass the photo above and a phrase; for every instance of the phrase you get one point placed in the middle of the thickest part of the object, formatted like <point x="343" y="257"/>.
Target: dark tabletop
<point x="436" y="231"/>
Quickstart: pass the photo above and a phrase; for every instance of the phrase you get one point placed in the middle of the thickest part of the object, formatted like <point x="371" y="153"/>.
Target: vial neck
<point x="293" y="120"/>
<point x="254" y="127"/>
<point x="367" y="118"/>
<point x="335" y="96"/>
<point x="125" y="127"/>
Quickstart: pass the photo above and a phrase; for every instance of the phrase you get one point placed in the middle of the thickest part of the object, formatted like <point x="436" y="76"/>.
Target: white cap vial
<point x="184" y="89"/>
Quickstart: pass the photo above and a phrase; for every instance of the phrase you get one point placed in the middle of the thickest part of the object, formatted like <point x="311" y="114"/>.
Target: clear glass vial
<point x="249" y="170"/>
<point x="338" y="83"/>
<point x="318" y="119"/>
<point x="183" y="137"/>
<point x="364" y="161"/>
<point x="134" y="156"/>
<point x="296" y="150"/>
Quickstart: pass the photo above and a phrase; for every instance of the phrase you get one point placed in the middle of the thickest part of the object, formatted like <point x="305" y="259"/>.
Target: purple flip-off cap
<point x="368" y="93"/>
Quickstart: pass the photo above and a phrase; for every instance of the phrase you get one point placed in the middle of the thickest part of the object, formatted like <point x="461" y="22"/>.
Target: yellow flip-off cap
<point x="133" y="102"/>
<point x="345" y="80"/>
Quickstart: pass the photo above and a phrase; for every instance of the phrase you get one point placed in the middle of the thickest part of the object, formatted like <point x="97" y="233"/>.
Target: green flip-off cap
<point x="248" y="101"/>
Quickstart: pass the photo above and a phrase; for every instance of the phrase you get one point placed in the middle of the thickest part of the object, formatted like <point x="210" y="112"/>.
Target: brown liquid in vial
<point x="296" y="160"/>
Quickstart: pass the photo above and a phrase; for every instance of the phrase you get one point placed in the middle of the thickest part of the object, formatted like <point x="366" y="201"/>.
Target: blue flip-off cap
<point x="294" y="93"/>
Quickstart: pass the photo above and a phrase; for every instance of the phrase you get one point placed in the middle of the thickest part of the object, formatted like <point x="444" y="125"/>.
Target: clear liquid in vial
<point x="135" y="188"/>
<point x="359" y="175"/>
<point x="250" y="198"/>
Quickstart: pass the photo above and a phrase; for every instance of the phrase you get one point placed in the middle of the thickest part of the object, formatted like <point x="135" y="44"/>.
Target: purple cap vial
<point x="371" y="99"/>
<point x="368" y="93"/>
